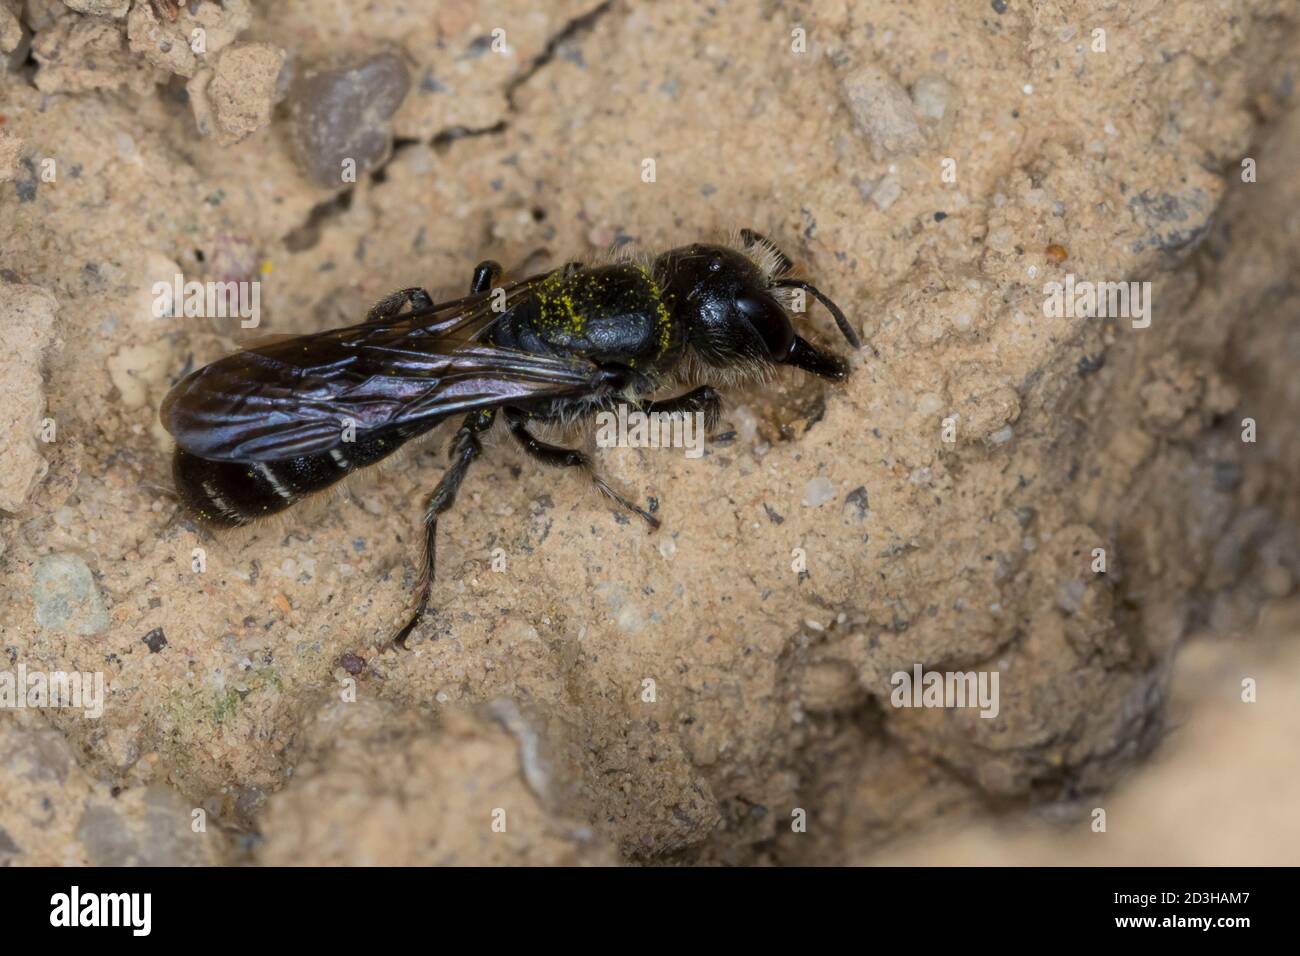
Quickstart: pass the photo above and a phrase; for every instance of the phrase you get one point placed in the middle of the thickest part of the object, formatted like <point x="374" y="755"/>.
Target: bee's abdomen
<point x="232" y="493"/>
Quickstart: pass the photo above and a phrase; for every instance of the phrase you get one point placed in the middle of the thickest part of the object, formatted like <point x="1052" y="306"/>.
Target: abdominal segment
<point x="232" y="493"/>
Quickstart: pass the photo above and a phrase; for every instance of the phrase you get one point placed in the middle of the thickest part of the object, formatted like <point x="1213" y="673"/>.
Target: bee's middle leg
<point x="557" y="457"/>
<point x="485" y="273"/>
<point x="464" y="449"/>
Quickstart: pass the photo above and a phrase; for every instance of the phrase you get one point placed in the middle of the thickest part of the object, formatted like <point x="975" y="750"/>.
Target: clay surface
<point x="721" y="690"/>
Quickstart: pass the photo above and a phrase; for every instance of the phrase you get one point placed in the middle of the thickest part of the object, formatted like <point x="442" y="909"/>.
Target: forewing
<point x="297" y="397"/>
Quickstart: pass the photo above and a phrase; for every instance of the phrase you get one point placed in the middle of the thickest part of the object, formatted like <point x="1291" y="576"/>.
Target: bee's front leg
<point x="703" y="399"/>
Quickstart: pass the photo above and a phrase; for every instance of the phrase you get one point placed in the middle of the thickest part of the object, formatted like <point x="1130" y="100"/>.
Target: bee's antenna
<point x="840" y="319"/>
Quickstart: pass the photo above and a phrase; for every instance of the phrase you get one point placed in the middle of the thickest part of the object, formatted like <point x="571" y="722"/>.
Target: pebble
<point x="157" y="833"/>
<point x="818" y="491"/>
<point x="242" y="90"/>
<point x="137" y="371"/>
<point x="9" y="850"/>
<point x="1069" y="596"/>
<point x="1174" y="221"/>
<point x="27" y="317"/>
<point x="828" y="685"/>
<point x="886" y="193"/>
<point x="343" y="113"/>
<point x="100" y="8"/>
<point x="882" y="112"/>
<point x="159" y="42"/>
<point x="352" y="663"/>
<point x="931" y="95"/>
<point x="66" y="598"/>
<point x="1238" y="546"/>
<point x="859" y="500"/>
<point x="155" y="640"/>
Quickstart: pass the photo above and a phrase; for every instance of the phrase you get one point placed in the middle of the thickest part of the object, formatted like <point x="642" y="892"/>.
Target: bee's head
<point x="732" y="314"/>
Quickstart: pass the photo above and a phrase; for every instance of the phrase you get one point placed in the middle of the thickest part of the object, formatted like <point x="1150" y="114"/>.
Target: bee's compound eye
<point x="770" y="322"/>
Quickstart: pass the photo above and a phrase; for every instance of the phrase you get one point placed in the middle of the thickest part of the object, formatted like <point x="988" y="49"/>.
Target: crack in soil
<point x="575" y="27"/>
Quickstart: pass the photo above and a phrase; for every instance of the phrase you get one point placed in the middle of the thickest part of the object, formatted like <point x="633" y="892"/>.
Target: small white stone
<point x="882" y="112"/>
<point x="818" y="491"/>
<point x="929" y="403"/>
<point x="931" y="95"/>
<point x="886" y="193"/>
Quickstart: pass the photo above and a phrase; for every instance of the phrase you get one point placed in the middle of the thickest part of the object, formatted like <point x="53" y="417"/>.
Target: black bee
<point x="261" y="429"/>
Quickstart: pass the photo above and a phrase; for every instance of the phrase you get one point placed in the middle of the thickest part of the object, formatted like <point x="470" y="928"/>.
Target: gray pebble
<point x="155" y="640"/>
<point x="1175" y="222"/>
<point x="858" y="499"/>
<point x="1069" y="596"/>
<point x="1239" y="545"/>
<point x="160" y="836"/>
<point x="66" y="597"/>
<point x="931" y="95"/>
<point x="882" y="112"/>
<point x="886" y="193"/>
<point x="8" y="848"/>
<point x="342" y="113"/>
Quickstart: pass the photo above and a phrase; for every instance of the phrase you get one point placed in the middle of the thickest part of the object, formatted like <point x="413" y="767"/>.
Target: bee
<point x="259" y="430"/>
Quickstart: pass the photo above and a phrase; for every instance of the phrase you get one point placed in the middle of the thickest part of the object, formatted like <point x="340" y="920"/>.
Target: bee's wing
<point x="298" y="397"/>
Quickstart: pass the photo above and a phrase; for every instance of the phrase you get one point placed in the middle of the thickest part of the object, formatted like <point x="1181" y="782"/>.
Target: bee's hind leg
<point x="464" y="449"/>
<point x="390" y="305"/>
<point x="556" y="457"/>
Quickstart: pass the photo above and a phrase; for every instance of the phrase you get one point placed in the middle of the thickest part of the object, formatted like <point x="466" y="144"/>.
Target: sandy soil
<point x="697" y="695"/>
